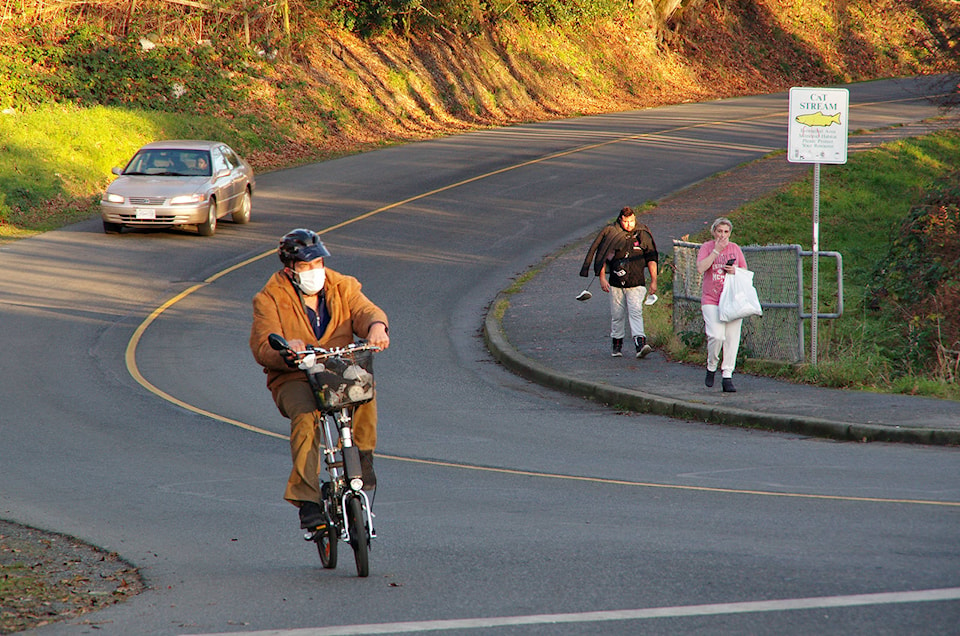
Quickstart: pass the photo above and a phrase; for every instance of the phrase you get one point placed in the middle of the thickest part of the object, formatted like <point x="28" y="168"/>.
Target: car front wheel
<point x="209" y="227"/>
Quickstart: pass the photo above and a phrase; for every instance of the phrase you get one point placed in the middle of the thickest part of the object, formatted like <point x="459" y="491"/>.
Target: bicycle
<point x="341" y="379"/>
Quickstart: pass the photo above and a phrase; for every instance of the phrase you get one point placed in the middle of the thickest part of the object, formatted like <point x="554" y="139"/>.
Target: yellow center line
<point x="643" y="484"/>
<point x="131" y="359"/>
<point x="133" y="369"/>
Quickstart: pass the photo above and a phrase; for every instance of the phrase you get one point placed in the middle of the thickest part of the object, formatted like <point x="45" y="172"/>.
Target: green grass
<point x="860" y="202"/>
<point x="861" y="205"/>
<point x="56" y="159"/>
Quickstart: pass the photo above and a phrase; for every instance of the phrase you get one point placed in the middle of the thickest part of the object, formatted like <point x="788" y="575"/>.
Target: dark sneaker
<point x="311" y="516"/>
<point x="643" y="349"/>
<point x="709" y="379"/>
<point x="728" y="385"/>
<point x="617" y="348"/>
<point x="366" y="466"/>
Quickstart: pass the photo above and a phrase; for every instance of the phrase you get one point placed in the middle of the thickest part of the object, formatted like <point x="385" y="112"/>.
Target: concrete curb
<point x="642" y="402"/>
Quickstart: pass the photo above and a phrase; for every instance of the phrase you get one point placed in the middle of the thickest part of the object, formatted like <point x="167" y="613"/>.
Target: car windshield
<point x="170" y="163"/>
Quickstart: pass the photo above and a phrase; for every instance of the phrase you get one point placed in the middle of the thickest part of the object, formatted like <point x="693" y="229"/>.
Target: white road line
<point x="819" y="602"/>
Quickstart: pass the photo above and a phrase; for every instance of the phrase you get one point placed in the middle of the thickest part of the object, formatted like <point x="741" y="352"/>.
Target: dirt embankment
<point x="339" y="93"/>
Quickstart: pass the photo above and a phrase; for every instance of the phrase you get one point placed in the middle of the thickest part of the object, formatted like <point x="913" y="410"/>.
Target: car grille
<point x="147" y="200"/>
<point x="161" y="219"/>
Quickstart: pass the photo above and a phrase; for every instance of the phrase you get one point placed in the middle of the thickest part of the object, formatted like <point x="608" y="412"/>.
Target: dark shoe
<point x="709" y="379"/>
<point x="643" y="349"/>
<point x="728" y="385"/>
<point x="311" y="516"/>
<point x="366" y="467"/>
<point x="617" y="347"/>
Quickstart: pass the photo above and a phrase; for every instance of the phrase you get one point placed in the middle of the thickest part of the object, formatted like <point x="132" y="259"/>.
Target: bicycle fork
<point x="352" y="473"/>
<point x="367" y="515"/>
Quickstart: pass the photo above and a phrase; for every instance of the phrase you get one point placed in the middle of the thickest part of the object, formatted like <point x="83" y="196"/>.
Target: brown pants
<point x="295" y="401"/>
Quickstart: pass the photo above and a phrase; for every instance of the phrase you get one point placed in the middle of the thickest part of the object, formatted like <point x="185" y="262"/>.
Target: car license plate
<point x="146" y="213"/>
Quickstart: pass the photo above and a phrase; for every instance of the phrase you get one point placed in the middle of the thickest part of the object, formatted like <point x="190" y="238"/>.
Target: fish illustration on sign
<point x="819" y="119"/>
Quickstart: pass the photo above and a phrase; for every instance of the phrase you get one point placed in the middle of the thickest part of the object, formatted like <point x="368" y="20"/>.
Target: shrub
<point x="86" y="66"/>
<point x="916" y="287"/>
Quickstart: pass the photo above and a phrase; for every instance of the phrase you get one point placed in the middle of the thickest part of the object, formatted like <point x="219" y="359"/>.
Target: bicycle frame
<point x="336" y="437"/>
<point x="341" y="380"/>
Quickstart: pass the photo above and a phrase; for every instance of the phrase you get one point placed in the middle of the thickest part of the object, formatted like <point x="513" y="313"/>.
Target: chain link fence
<point x="778" y="278"/>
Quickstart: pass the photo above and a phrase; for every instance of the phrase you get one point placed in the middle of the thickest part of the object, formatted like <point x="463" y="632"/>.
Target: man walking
<point x="622" y="254"/>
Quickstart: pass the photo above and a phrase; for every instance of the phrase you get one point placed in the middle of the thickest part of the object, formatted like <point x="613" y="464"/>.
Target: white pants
<point x="626" y="302"/>
<point x="723" y="336"/>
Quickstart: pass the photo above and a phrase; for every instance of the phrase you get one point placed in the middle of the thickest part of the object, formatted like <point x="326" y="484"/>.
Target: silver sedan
<point x="173" y="183"/>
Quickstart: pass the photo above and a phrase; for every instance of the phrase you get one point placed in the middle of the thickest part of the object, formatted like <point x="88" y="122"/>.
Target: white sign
<point x="818" y="125"/>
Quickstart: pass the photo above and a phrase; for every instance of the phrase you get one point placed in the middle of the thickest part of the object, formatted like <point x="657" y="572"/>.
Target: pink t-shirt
<point x="713" y="278"/>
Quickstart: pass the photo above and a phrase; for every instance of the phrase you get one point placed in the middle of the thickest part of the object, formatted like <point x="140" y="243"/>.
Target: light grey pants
<point x="626" y="302"/>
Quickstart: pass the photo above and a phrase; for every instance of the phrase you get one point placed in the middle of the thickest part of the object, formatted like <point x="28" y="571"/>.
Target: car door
<point x="222" y="183"/>
<point x="236" y="176"/>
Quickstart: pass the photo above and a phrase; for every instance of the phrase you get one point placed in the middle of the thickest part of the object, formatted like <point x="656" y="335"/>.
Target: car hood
<point x="146" y="186"/>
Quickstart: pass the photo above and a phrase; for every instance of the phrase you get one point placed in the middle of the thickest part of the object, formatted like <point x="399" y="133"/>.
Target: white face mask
<point x="311" y="281"/>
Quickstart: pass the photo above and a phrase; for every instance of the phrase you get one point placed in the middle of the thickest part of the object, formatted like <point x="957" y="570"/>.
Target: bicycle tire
<point x="359" y="536"/>
<point x="327" y="546"/>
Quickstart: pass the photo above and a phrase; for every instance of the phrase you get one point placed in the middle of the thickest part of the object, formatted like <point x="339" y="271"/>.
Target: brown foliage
<point x="921" y="294"/>
<point x="49" y="577"/>
<point x="939" y="232"/>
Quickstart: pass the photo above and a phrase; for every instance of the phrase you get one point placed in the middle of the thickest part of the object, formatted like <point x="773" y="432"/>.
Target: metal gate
<point x="778" y="277"/>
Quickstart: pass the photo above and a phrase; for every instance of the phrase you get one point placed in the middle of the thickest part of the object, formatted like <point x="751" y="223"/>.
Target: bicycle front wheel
<point x="359" y="536"/>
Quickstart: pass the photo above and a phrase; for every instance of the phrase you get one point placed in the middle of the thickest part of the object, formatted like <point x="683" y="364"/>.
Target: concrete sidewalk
<point x="543" y="334"/>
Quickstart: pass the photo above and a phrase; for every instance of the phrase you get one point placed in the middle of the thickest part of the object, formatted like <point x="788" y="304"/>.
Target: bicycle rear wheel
<point x="359" y="536"/>
<point x="327" y="546"/>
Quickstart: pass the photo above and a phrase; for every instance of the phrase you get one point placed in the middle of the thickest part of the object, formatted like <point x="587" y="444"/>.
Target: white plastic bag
<point x="739" y="298"/>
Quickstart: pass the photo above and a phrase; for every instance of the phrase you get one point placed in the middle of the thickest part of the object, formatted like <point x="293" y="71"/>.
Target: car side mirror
<point x="117" y="171"/>
<point x="221" y="173"/>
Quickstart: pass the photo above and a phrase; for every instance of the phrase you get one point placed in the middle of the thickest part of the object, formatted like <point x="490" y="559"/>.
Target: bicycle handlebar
<point x="278" y="343"/>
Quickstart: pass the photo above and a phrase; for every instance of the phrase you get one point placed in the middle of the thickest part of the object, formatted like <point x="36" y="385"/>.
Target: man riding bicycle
<point x="309" y="304"/>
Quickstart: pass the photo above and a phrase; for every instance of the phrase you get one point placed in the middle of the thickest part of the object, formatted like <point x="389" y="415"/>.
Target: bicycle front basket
<point x="343" y="380"/>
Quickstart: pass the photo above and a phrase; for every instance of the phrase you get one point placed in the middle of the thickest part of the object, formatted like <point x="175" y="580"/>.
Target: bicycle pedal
<point x="313" y="535"/>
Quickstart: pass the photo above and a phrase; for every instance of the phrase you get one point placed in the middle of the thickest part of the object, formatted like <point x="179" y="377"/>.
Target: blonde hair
<point x="721" y="220"/>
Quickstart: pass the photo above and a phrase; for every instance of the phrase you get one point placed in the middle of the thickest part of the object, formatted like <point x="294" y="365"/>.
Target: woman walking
<point x="716" y="259"/>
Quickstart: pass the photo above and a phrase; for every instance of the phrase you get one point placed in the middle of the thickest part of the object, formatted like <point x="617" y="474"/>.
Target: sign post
<point x="819" y="119"/>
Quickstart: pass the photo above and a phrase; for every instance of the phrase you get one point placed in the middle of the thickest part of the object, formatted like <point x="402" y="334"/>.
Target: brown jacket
<point x="277" y="308"/>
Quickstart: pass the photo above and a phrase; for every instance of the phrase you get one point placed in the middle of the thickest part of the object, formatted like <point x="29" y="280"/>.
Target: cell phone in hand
<point x="731" y="261"/>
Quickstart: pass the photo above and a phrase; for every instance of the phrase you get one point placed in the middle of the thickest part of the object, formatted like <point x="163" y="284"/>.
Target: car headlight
<point x="186" y="198"/>
<point x="112" y="198"/>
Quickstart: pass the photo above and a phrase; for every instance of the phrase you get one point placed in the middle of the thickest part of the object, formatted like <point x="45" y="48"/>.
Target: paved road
<point x="134" y="418"/>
